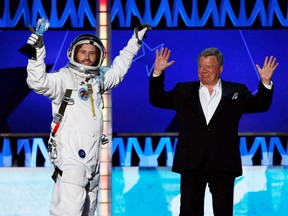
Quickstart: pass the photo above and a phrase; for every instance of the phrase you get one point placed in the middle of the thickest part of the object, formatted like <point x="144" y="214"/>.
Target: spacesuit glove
<point x="35" y="40"/>
<point x="140" y="31"/>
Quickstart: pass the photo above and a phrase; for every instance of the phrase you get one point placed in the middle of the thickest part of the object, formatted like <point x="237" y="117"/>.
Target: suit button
<point x="208" y="129"/>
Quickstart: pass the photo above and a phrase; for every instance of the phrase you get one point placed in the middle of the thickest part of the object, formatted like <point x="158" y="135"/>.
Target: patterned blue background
<point x="23" y="111"/>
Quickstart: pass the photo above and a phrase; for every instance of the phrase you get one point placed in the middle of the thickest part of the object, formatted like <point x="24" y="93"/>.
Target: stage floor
<point x="261" y="191"/>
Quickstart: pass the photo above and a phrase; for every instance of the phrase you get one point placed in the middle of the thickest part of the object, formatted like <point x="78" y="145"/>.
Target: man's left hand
<point x="267" y="70"/>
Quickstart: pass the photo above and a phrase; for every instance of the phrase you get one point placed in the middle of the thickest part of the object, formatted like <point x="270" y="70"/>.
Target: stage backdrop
<point x="24" y="111"/>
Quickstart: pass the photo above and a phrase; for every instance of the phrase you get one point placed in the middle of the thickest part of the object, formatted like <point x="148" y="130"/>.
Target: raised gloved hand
<point x="35" y="40"/>
<point x="140" y="31"/>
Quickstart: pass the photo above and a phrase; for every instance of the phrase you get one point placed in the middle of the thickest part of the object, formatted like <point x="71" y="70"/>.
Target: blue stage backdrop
<point x="24" y="111"/>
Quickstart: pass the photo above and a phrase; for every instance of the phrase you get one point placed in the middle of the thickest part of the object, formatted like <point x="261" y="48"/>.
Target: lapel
<point x="196" y="99"/>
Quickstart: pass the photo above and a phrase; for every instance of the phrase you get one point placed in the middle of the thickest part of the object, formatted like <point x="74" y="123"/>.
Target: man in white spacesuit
<point x="76" y="130"/>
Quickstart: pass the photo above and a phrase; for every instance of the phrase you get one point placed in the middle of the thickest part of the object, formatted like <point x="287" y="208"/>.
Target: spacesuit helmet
<point x="75" y="46"/>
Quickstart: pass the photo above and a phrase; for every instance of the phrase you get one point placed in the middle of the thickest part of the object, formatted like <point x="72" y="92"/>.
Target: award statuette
<point x="28" y="50"/>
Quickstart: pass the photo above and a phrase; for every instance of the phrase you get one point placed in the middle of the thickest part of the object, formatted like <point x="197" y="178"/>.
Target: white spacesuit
<point x="76" y="137"/>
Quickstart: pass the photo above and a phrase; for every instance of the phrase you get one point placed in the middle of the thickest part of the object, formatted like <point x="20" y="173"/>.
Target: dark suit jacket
<point x="217" y="142"/>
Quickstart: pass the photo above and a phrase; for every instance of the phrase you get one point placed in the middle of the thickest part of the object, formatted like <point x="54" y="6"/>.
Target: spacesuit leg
<point x="54" y="208"/>
<point x="69" y="194"/>
<point x="73" y="190"/>
<point x="72" y="199"/>
<point x="91" y="202"/>
<point x="92" y="196"/>
<point x="67" y="199"/>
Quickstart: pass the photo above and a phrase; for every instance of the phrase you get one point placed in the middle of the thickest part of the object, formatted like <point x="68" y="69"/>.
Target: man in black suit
<point x="208" y="112"/>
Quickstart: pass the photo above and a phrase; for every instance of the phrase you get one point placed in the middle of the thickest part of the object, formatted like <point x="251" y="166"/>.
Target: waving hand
<point x="162" y="61"/>
<point x="267" y="70"/>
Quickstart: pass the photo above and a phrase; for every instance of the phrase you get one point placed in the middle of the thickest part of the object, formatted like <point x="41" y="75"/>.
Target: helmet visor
<point x="98" y="53"/>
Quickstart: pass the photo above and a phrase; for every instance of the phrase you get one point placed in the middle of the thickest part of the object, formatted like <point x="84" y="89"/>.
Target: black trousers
<point x="193" y="185"/>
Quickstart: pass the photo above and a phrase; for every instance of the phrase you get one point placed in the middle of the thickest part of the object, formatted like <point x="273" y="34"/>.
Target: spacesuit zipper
<point x="90" y="91"/>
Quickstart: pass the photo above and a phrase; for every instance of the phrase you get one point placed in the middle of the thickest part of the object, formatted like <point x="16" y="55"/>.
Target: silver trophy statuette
<point x="28" y="50"/>
<point x="42" y="26"/>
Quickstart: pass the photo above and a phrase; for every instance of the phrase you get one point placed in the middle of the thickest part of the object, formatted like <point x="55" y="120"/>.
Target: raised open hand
<point x="266" y="72"/>
<point x="162" y="60"/>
